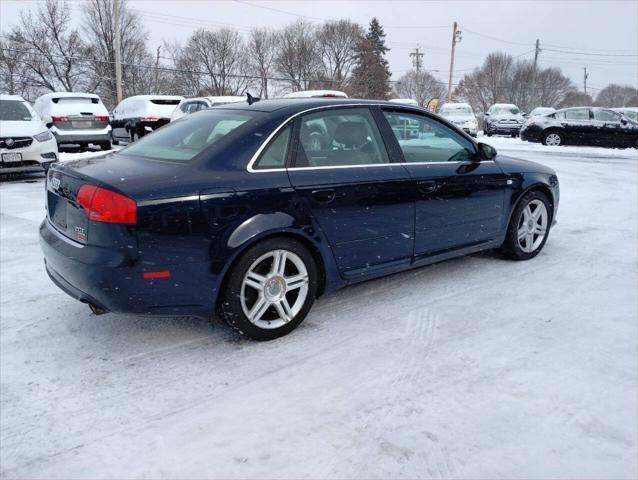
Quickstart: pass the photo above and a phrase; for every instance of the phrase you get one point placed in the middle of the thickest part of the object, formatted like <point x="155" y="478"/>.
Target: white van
<point x="316" y="94"/>
<point x="136" y="116"/>
<point x="192" y="105"/>
<point x="77" y="118"/>
<point x="26" y="145"/>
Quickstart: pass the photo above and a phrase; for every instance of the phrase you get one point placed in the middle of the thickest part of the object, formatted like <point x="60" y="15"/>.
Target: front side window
<point x="339" y="138"/>
<point x="182" y="140"/>
<point x="606" y="116"/>
<point x="577" y="114"/>
<point x="423" y="139"/>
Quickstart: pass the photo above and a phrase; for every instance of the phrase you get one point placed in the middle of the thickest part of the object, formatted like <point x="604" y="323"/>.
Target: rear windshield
<point x="182" y="140"/>
<point x="75" y="100"/>
<point x="14" y="111"/>
<point x="163" y="101"/>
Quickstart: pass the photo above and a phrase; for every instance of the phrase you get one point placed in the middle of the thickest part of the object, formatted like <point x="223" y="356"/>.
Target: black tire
<point x="514" y="134"/>
<point x="230" y="304"/>
<point x="105" y="145"/>
<point x="134" y="136"/>
<point x="636" y="143"/>
<point x="560" y="136"/>
<point x="114" y="141"/>
<point x="489" y="134"/>
<point x="511" y="248"/>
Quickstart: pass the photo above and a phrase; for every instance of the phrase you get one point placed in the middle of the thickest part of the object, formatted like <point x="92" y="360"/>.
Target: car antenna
<point x="250" y="99"/>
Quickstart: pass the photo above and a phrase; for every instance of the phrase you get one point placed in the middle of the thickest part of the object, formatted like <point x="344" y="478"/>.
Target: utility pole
<point x="456" y="38"/>
<point x="585" y="76"/>
<point x="537" y="50"/>
<point x="416" y="63"/>
<point x="117" y="45"/>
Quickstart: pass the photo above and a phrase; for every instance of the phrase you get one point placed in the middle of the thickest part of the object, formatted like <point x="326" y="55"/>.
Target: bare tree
<point x="421" y="87"/>
<point x="575" y="99"/>
<point x="298" y="57"/>
<point x="614" y="95"/>
<point x="552" y="87"/>
<point x="99" y="28"/>
<point x="338" y="42"/>
<point x="221" y="56"/>
<point x="55" y="50"/>
<point x="262" y="49"/>
<point x="14" y="77"/>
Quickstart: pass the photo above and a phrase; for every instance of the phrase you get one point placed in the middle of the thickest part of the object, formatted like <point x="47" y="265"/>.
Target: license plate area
<point x="81" y="124"/>
<point x="11" y="157"/>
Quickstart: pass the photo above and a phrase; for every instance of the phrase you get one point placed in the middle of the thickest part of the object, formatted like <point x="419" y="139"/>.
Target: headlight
<point x="44" y="136"/>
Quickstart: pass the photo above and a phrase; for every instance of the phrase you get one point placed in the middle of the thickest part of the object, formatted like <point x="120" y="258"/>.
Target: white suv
<point x="75" y="118"/>
<point x="26" y="145"/>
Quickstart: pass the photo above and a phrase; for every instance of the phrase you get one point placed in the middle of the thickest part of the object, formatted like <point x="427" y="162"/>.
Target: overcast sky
<point x="601" y="35"/>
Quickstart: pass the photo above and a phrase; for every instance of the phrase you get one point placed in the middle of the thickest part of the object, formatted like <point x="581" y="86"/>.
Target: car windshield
<point x="504" y="110"/>
<point x="461" y="111"/>
<point x="182" y="140"/>
<point x="14" y="111"/>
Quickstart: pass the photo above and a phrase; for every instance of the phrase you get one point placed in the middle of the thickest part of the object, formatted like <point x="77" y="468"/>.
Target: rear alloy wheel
<point x="270" y="289"/>
<point x="553" y="139"/>
<point x="529" y="227"/>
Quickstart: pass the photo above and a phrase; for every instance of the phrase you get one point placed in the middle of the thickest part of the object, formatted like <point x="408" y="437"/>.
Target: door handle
<point x="323" y="196"/>
<point x="427" y="186"/>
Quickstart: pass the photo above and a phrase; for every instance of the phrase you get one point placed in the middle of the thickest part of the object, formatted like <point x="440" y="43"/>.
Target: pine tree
<point x="371" y="74"/>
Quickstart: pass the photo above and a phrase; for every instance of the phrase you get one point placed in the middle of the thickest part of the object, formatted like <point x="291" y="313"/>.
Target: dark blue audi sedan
<point x="254" y="210"/>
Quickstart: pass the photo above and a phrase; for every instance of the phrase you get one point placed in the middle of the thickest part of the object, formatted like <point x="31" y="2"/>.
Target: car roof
<point x="295" y="105"/>
<point x="69" y="95"/>
<point x="4" y="96"/>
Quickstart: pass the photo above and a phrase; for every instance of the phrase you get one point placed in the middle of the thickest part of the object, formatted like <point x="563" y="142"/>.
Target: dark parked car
<point x="582" y="126"/>
<point x="235" y="210"/>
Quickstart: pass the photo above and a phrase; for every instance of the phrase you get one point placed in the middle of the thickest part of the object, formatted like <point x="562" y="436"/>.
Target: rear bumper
<point x="111" y="281"/>
<point x="82" y="136"/>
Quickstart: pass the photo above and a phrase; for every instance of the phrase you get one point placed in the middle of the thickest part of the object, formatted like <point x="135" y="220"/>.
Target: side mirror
<point x="487" y="114"/>
<point x="486" y="152"/>
<point x="623" y="121"/>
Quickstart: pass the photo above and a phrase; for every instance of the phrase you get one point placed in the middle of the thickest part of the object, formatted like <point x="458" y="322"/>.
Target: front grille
<point x="15" y="142"/>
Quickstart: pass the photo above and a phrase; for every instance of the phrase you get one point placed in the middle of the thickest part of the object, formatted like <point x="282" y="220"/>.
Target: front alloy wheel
<point x="532" y="226"/>
<point x="529" y="227"/>
<point x="269" y="290"/>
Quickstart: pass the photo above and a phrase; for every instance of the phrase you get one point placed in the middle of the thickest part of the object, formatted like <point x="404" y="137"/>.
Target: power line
<point x="594" y="54"/>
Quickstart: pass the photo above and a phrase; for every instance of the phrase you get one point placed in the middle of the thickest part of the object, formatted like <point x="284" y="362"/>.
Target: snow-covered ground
<point x="472" y="368"/>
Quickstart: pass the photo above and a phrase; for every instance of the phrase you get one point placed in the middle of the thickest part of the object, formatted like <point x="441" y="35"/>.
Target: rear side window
<point x="577" y="114"/>
<point x="340" y="138"/>
<point x="275" y="154"/>
<point x="423" y="139"/>
<point x="182" y="140"/>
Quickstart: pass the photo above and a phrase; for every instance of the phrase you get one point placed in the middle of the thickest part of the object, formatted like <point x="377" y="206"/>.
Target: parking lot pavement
<point x="476" y="367"/>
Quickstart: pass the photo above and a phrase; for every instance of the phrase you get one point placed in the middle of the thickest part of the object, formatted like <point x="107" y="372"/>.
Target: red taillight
<point x="160" y="274"/>
<point x="102" y="118"/>
<point x="58" y="119"/>
<point x="150" y="118"/>
<point x="103" y="205"/>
